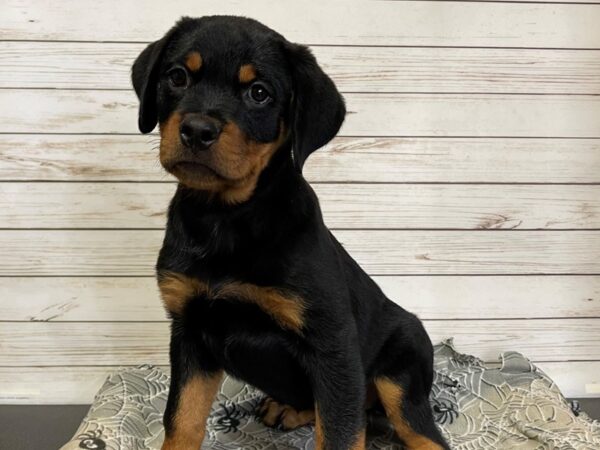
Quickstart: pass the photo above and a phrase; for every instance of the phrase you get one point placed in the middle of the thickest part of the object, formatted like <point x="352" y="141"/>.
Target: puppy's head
<point x="228" y="93"/>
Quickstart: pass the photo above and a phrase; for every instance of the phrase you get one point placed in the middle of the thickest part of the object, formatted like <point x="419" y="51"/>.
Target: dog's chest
<point x="187" y="297"/>
<point x="252" y="330"/>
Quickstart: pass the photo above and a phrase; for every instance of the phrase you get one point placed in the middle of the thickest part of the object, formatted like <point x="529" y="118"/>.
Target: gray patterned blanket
<point x="513" y="405"/>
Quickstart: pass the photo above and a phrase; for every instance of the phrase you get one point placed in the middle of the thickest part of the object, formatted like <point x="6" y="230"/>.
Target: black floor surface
<point x="38" y="427"/>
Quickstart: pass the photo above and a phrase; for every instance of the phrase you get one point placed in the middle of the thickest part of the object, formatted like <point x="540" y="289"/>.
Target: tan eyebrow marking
<point x="247" y="73"/>
<point x="193" y="61"/>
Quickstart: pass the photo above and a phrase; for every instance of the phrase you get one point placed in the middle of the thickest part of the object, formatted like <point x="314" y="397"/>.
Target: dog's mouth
<point x="193" y="168"/>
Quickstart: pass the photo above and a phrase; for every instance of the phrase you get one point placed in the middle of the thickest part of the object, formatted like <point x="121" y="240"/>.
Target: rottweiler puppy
<point x="254" y="282"/>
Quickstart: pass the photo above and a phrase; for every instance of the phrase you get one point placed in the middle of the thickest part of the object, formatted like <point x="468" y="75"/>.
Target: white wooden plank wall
<point x="466" y="179"/>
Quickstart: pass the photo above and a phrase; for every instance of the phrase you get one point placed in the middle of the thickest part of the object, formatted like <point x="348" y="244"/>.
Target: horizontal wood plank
<point x="93" y="65"/>
<point x="380" y="252"/>
<point x="77" y="385"/>
<point x="367" y="22"/>
<point x="117" y="343"/>
<point x="368" y="114"/>
<point x="101" y="299"/>
<point x="84" y="205"/>
<point x="143" y="205"/>
<point x="58" y="385"/>
<point x="82" y="344"/>
<point x="82" y="158"/>
<point x="472" y="115"/>
<point x="391" y="160"/>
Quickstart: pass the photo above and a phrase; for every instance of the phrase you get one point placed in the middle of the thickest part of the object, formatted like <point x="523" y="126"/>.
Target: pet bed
<point x="511" y="405"/>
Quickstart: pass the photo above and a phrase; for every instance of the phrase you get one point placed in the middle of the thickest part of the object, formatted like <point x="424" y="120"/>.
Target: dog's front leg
<point x="338" y="385"/>
<point x="195" y="379"/>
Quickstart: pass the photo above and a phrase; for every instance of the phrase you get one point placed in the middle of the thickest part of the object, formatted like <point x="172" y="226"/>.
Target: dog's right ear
<point x="144" y="76"/>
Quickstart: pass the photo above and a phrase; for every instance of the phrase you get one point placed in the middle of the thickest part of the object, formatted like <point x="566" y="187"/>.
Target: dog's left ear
<point x="318" y="108"/>
<point x="144" y="76"/>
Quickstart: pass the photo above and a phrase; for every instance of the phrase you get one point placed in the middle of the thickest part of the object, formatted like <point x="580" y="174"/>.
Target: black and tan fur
<point x="253" y="280"/>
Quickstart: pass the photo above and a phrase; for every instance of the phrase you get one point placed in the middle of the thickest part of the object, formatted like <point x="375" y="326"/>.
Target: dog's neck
<point x="282" y="205"/>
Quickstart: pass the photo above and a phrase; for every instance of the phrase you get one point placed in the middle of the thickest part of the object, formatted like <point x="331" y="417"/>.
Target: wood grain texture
<point x="94" y="65"/>
<point x="81" y="158"/>
<point x="379" y="252"/>
<point x="472" y="115"/>
<point x="61" y="385"/>
<point x="575" y="339"/>
<point x="462" y="78"/>
<point x="360" y="206"/>
<point x="368" y="114"/>
<point x="483" y="252"/>
<point x="367" y="22"/>
<point x="83" y="344"/>
<point x="41" y="344"/>
<point x="84" y="205"/>
<point x="53" y="385"/>
<point x="126" y="299"/>
<point x="391" y="160"/>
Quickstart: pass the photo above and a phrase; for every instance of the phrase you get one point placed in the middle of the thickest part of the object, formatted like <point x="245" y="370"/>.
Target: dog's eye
<point x="259" y="93"/>
<point x="178" y="77"/>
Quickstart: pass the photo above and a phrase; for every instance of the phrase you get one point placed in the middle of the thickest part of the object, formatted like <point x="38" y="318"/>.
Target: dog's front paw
<point x="277" y="415"/>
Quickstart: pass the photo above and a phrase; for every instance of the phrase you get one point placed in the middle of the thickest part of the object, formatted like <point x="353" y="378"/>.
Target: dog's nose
<point x="198" y="132"/>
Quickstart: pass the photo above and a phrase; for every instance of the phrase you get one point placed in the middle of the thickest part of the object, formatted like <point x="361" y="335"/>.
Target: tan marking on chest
<point x="286" y="308"/>
<point x="177" y="289"/>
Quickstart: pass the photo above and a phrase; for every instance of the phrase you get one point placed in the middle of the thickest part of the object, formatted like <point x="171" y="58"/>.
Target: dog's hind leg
<point x="411" y="418"/>
<point x="403" y="383"/>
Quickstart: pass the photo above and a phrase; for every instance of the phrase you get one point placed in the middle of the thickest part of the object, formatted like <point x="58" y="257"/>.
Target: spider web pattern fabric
<point x="510" y="405"/>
